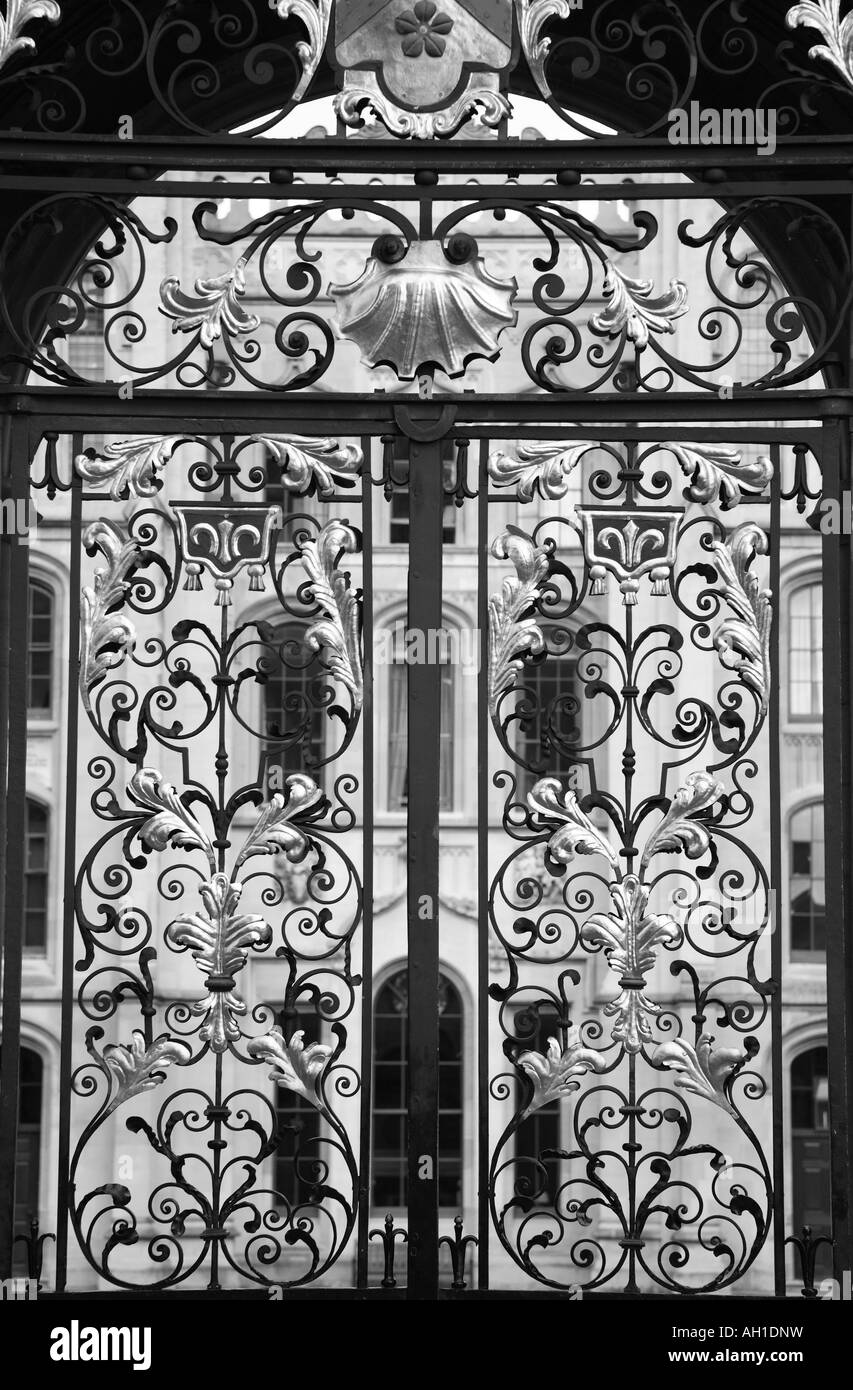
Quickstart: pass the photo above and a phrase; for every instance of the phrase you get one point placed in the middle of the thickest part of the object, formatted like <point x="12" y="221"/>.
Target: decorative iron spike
<point x="807" y="1247"/>
<point x="458" y="1244"/>
<point x="460" y="490"/>
<point x="389" y="1236"/>
<point x="799" y="489"/>
<point x="34" y="1244"/>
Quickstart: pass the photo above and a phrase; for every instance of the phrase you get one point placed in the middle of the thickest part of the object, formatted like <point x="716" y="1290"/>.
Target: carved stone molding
<point x="423" y="70"/>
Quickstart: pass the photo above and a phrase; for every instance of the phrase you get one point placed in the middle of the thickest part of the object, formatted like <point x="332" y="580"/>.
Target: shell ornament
<point x="425" y="305"/>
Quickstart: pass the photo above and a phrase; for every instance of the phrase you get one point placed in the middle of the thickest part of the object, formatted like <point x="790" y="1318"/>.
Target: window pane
<point x="807" y="888"/>
<point x="390" y="1091"/>
<point x="299" y="1125"/>
<point x="398" y="738"/>
<point x="805" y="653"/>
<point x="292" y="701"/>
<point x="540" y="1132"/>
<point x="399" y="505"/>
<point x="388" y="1134"/>
<point x="387" y="1086"/>
<point x="450" y="1084"/>
<point x="40" y="649"/>
<point x="547" y="738"/>
<point x="35" y="876"/>
<point x="809" y="1090"/>
<point x="389" y="1037"/>
<point x="450" y="1132"/>
<point x="449" y="1188"/>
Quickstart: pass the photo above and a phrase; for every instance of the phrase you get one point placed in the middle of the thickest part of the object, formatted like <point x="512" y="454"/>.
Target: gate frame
<point x="826" y="413"/>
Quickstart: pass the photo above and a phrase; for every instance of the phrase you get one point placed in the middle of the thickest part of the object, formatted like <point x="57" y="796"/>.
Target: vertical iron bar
<point x="6" y="543"/>
<point x="837" y="794"/>
<point x="483" y="871"/>
<point x="776" y="1078"/>
<point x="426" y="505"/>
<point x="13" y="904"/>
<point x="69" y="871"/>
<point x="367" y="871"/>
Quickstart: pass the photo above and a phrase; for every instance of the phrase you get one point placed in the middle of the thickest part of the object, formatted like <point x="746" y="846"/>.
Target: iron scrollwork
<point x="183" y="1082"/>
<point x="432" y="79"/>
<point x="185" y="58"/>
<point x="263" y="315"/>
<point x="644" y="1188"/>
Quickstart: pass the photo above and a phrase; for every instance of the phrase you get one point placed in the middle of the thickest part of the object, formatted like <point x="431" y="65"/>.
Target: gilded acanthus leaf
<point x="575" y="832"/>
<point x="130" y="466"/>
<point x="555" y="1073"/>
<point x="337" y="636"/>
<point x="137" y="1068"/>
<point x="743" y="640"/>
<point x="275" y="830"/>
<point x="513" y="633"/>
<point x="825" y="16"/>
<point x="679" y="830"/>
<point x="296" y="1067"/>
<point x="171" y="822"/>
<point x="219" y="942"/>
<point x="19" y="13"/>
<point x="718" y="474"/>
<point x="303" y="461"/>
<point x="632" y="308"/>
<point x="539" y="465"/>
<point x="314" y="14"/>
<point x="106" y="636"/>
<point x="629" y="937"/>
<point x="216" y="308"/>
<point x="703" y="1071"/>
<point x="532" y="17"/>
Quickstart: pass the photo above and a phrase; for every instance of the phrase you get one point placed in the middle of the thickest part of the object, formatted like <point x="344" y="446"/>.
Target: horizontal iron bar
<point x="353" y="413"/>
<point x="620" y="1296"/>
<point x="606" y="154"/>
<point x="257" y="1295"/>
<point x="398" y="1294"/>
<point x="124" y="187"/>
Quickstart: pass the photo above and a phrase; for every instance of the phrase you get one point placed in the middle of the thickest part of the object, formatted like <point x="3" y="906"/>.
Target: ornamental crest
<point x="628" y="544"/>
<point x="439" y="58"/>
<point x="225" y="541"/>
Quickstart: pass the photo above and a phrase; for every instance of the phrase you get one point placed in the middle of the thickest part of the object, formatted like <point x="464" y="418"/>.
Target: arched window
<point x="807" y="886"/>
<point x="293" y="700"/>
<point x="805" y="653"/>
<point x="28" y="1153"/>
<point x="36" y="846"/>
<point x="390" y="1096"/>
<point x="810" y="1146"/>
<point x="40" y="651"/>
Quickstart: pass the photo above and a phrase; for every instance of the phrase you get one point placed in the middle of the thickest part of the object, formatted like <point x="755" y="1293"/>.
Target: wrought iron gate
<point x="218" y="515"/>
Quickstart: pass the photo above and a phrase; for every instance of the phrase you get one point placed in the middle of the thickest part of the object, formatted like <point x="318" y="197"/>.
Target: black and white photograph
<point x="426" y="648"/>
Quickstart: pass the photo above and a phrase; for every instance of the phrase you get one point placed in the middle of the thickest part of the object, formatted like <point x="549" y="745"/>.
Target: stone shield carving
<point x="423" y="66"/>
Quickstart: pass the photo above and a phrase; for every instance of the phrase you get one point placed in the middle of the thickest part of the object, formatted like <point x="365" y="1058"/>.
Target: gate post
<point x="838" y="789"/>
<point x="14" y="469"/>
<point x="426" y="506"/>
